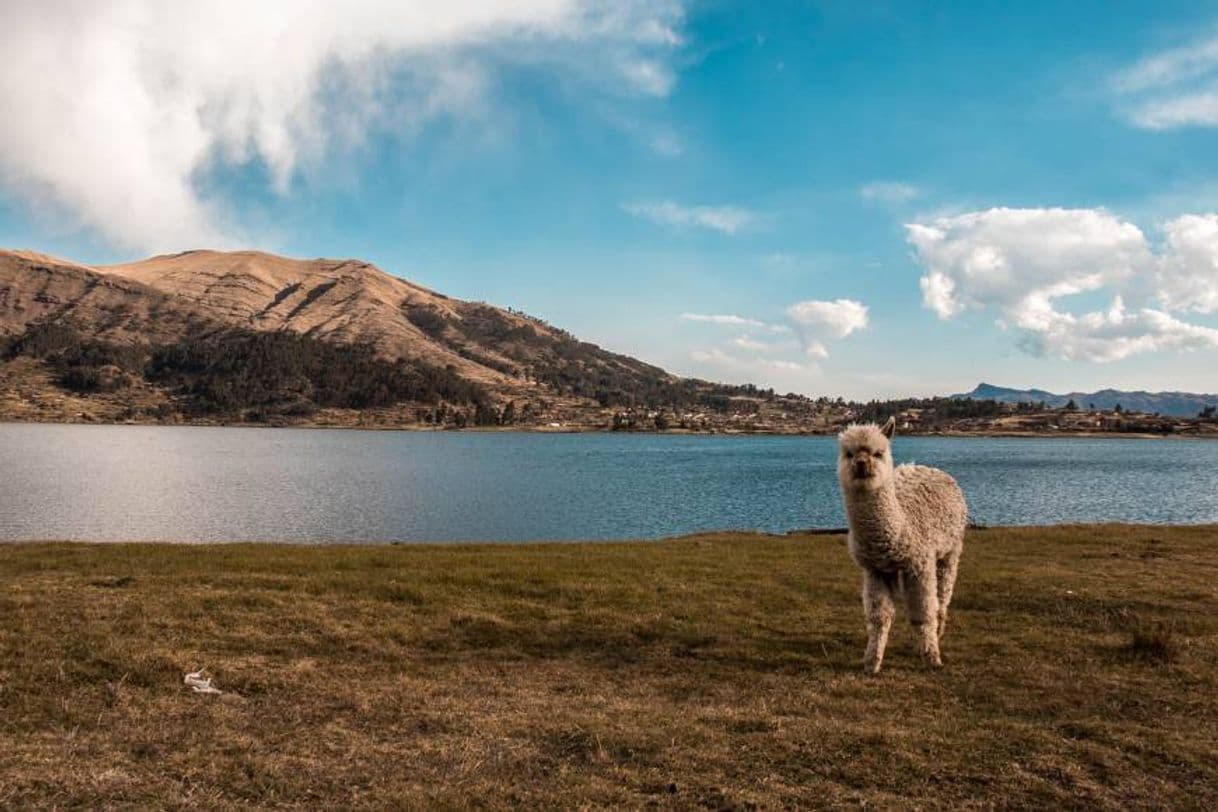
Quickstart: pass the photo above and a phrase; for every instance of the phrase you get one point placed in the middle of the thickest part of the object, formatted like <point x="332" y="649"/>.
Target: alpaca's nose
<point x="862" y="469"/>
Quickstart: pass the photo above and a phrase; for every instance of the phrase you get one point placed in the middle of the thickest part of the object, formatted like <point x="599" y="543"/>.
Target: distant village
<point x="935" y="416"/>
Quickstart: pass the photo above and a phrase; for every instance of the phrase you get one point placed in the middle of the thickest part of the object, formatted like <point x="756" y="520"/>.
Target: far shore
<point x="717" y="670"/>
<point x="583" y="429"/>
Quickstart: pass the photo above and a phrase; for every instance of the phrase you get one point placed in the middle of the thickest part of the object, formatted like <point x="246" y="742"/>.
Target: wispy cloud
<point x="722" y="318"/>
<point x="128" y="109"/>
<point x="723" y="360"/>
<point x="728" y="220"/>
<point x="1177" y="87"/>
<point x="815" y="324"/>
<point x="732" y="320"/>
<point x="886" y="191"/>
<point x="1168" y="67"/>
<point x="747" y="342"/>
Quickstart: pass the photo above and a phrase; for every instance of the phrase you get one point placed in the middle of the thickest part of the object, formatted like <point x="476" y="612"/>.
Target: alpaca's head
<point x="864" y="457"/>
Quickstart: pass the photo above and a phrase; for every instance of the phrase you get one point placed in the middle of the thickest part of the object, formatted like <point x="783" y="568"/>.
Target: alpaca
<point x="906" y="533"/>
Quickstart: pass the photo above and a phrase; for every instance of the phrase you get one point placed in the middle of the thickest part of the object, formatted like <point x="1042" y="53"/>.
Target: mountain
<point x="248" y="333"/>
<point x="1176" y="404"/>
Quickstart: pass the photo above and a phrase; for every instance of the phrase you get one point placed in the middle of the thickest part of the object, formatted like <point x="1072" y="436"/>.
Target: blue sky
<point x="857" y="199"/>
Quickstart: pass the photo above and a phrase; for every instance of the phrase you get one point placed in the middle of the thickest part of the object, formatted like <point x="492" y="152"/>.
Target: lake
<point x="226" y="484"/>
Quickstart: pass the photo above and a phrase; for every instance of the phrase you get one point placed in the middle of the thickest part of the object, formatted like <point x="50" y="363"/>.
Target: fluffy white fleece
<point x="906" y="533"/>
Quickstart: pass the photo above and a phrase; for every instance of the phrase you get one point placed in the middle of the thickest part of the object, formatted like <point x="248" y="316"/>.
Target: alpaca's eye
<point x="849" y="455"/>
<point x="879" y="453"/>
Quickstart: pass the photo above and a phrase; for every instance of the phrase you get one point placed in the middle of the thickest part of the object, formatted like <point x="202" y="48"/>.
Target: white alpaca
<point x="906" y="533"/>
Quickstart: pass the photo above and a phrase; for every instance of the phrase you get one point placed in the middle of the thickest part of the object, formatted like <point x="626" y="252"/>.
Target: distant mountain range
<point x="1176" y="404"/>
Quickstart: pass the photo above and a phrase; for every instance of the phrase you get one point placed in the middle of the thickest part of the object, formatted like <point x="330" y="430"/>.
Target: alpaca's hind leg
<point x="922" y="599"/>
<point x="946" y="575"/>
<point x="879" y="609"/>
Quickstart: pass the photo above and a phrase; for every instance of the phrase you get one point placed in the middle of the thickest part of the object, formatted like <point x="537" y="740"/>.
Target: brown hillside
<point x="38" y="288"/>
<point x="341" y="300"/>
<point x="195" y="294"/>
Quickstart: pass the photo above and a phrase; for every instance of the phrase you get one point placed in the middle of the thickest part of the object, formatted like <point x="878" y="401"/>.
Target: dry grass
<point x="717" y="671"/>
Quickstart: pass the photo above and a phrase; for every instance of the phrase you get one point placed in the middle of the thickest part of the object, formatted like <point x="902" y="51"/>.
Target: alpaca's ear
<point x="890" y="428"/>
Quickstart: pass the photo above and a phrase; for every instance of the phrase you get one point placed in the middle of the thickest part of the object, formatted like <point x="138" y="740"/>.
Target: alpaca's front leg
<point x="879" y="610"/>
<point x="946" y="582"/>
<point x="923" y="602"/>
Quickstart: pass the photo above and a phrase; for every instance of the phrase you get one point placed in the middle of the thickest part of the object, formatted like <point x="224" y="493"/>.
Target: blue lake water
<point x="226" y="484"/>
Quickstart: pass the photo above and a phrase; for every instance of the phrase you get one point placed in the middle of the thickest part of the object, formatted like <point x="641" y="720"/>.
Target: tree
<point x="485" y="414"/>
<point x="1117" y="408"/>
<point x="1071" y="406"/>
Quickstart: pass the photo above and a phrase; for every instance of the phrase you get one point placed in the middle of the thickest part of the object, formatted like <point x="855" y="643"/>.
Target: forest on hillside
<point x="259" y="375"/>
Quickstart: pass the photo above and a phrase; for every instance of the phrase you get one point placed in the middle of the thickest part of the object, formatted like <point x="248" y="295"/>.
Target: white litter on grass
<point x="200" y="684"/>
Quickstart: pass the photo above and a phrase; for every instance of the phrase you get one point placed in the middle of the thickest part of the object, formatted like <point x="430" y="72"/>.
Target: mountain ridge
<point x="1173" y="403"/>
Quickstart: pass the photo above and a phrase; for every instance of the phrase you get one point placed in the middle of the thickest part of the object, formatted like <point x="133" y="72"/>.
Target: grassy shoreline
<point x="715" y="671"/>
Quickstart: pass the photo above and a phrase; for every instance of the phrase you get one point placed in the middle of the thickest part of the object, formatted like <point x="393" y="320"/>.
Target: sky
<point x="866" y="200"/>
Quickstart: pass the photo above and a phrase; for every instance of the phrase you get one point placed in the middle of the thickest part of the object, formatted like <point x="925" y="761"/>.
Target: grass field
<point x="720" y="671"/>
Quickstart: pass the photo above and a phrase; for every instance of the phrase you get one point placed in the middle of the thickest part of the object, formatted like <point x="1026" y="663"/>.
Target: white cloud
<point x="1186" y="110"/>
<point x="1174" y="88"/>
<point x="1171" y="66"/>
<point x="1024" y="262"/>
<point x="1012" y="255"/>
<point x="818" y="321"/>
<point x="814" y="323"/>
<point x="722" y="318"/>
<point x="732" y="320"/>
<point x="1114" y="334"/>
<point x="725" y="219"/>
<point x="717" y="358"/>
<point x="1188" y="274"/>
<point x="746" y="342"/>
<point x="888" y="191"/>
<point x="117" y="112"/>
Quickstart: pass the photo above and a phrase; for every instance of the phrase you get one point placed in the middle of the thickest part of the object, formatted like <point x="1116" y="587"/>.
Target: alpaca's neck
<point x="875" y="516"/>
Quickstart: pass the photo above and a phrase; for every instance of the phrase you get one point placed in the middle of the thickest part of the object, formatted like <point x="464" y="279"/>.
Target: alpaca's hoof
<point x="871" y="669"/>
<point x="934" y="663"/>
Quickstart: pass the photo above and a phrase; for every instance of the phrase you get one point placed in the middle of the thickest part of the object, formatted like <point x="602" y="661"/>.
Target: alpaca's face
<point x="864" y="457"/>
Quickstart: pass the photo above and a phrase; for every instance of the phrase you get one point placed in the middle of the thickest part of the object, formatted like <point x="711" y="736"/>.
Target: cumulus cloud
<point x="1177" y="87"/>
<point x="888" y="191"/>
<point x="1014" y="256"/>
<point x="1114" y="334"/>
<point x="1024" y="262"/>
<point x="116" y="113"/>
<point x="728" y="220"/>
<point x="818" y="321"/>
<point x="1188" y="274"/>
